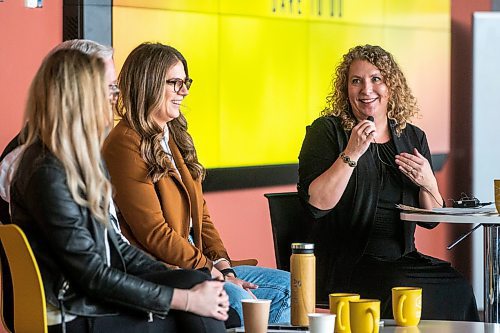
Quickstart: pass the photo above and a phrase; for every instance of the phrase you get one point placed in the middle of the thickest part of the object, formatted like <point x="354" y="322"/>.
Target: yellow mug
<point x="497" y="194"/>
<point x="407" y="305"/>
<point x="364" y="315"/>
<point x="339" y="305"/>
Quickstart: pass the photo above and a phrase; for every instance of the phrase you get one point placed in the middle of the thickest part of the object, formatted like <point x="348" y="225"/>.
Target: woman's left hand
<point x="417" y="168"/>
<point x="243" y="284"/>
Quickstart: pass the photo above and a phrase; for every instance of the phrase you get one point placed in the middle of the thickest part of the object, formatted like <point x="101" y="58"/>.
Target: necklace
<point x="378" y="154"/>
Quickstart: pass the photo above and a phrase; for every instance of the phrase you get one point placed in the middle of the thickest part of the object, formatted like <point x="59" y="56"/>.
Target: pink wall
<point x="26" y="35"/>
<point x="459" y="175"/>
<point x="242" y="218"/>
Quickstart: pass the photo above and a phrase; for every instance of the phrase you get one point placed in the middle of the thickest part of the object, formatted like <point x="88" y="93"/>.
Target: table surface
<point x="442" y="326"/>
<point x="468" y="218"/>
<point x="425" y="326"/>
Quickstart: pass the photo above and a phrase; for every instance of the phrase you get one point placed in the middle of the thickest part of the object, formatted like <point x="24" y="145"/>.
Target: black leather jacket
<point x="70" y="246"/>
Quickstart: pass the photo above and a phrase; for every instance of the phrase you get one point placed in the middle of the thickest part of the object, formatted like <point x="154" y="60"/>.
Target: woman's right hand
<point x="209" y="299"/>
<point x="361" y="136"/>
<point x="326" y="190"/>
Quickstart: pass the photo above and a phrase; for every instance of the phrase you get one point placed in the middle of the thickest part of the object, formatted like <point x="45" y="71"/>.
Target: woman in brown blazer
<point x="157" y="178"/>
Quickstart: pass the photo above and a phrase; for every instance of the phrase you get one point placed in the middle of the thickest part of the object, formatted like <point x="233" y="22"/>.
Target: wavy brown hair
<point x="402" y="105"/>
<point x="142" y="82"/>
<point x="69" y="111"/>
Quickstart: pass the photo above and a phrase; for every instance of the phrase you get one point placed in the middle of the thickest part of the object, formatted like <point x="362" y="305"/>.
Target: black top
<point x="341" y="234"/>
<point x="385" y="242"/>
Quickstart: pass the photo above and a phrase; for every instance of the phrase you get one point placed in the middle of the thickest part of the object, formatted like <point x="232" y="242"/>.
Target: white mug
<point x="321" y="322"/>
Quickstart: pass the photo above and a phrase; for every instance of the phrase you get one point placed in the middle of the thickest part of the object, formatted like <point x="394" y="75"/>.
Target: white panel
<point x="485" y="123"/>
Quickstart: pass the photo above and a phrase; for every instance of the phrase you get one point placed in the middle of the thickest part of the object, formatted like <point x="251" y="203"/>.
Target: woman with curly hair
<point x="358" y="160"/>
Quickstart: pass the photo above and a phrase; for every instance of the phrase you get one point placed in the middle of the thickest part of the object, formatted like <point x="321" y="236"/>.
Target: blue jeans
<point x="273" y="284"/>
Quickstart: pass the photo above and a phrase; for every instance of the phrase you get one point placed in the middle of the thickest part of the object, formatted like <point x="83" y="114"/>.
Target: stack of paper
<point x="449" y="211"/>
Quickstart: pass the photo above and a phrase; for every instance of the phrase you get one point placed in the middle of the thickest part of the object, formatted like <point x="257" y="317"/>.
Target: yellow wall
<point x="262" y="68"/>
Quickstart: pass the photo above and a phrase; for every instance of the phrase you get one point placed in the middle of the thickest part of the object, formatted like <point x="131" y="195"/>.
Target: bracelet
<point x="347" y="159"/>
<point x="227" y="271"/>
<point x="220" y="260"/>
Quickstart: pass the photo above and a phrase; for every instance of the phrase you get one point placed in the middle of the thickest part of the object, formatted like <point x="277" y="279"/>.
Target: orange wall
<point x="26" y="35"/>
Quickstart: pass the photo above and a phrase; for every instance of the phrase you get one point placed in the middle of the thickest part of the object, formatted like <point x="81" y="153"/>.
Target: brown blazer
<point x="155" y="216"/>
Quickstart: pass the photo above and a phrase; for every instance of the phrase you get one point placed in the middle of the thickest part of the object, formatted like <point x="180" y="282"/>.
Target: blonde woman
<point x="11" y="151"/>
<point x="60" y="197"/>
<point x="359" y="160"/>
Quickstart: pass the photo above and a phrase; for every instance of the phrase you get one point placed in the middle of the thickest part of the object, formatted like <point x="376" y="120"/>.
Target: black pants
<point x="446" y="295"/>
<point x="176" y="321"/>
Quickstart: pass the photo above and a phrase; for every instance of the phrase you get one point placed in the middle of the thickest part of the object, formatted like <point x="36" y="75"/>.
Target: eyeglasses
<point x="113" y="91"/>
<point x="178" y="83"/>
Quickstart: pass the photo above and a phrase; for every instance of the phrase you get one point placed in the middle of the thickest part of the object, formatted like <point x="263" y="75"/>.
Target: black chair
<point x="289" y="222"/>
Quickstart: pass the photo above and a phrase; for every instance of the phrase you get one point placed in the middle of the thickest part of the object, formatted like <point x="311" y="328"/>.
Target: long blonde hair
<point x="402" y="105"/>
<point x="142" y="84"/>
<point x="69" y="111"/>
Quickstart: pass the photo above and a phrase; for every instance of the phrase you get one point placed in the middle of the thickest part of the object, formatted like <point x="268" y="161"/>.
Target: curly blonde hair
<point x="142" y="84"/>
<point x="402" y="105"/>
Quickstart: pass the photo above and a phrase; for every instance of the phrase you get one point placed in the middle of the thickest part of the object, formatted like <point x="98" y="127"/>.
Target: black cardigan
<point x="341" y="234"/>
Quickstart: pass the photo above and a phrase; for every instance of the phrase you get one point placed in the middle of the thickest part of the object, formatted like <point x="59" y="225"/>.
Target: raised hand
<point x="416" y="167"/>
<point x="361" y="136"/>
